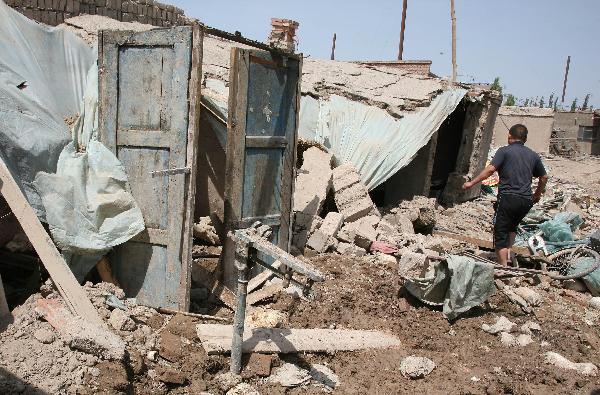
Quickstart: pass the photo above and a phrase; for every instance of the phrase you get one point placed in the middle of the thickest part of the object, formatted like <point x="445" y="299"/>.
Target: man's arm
<point x="541" y="187"/>
<point x="485" y="173"/>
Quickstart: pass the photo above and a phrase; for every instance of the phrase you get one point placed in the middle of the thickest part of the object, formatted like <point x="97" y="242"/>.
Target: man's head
<point x="517" y="133"/>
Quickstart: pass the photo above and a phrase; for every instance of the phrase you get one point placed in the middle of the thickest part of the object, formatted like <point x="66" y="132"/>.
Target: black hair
<point x="518" y="132"/>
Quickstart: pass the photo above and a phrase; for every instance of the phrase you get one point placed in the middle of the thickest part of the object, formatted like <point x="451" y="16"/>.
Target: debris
<point x="324" y="376"/>
<point x="264" y="293"/>
<point x="351" y="195"/>
<point x="80" y="334"/>
<point x="502" y="324"/>
<point x="201" y="316"/>
<point x="530" y="328"/>
<point x="594" y="302"/>
<point x="206" y="232"/>
<point x="350" y="249"/>
<point x="44" y="335"/>
<point x="266" y="318"/>
<point x="228" y="380"/>
<point x="414" y="367"/>
<point x="332" y="224"/>
<point x="171" y="376"/>
<point x="319" y="241"/>
<point x="121" y="321"/>
<point x="510" y="340"/>
<point x="412" y="264"/>
<point x="262" y="277"/>
<point x="290" y="375"/>
<point x="243" y="389"/>
<point x="585" y="369"/>
<point x="530" y="296"/>
<point x="258" y="365"/>
<point x="216" y="339"/>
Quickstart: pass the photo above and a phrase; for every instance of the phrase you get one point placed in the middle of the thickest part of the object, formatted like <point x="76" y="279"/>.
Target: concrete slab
<point x="332" y="224"/>
<point x="216" y="339"/>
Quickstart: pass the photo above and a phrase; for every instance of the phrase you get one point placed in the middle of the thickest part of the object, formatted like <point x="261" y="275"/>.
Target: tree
<point x="574" y="105"/>
<point x="584" y="106"/>
<point x="510" y="100"/>
<point x="496" y="85"/>
<point x="542" y="102"/>
<point x="526" y="103"/>
<point x="556" y="103"/>
<point x="551" y="100"/>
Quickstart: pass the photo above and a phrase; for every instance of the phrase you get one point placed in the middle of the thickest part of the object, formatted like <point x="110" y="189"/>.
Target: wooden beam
<point x="487" y="244"/>
<point x="402" y="28"/>
<point x="453" y="17"/>
<point x="59" y="271"/>
<point x="333" y="47"/>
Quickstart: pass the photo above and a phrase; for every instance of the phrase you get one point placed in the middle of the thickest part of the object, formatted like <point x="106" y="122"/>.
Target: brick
<point x="365" y="235"/>
<point x="350" y="249"/>
<point x="332" y="224"/>
<point x="318" y="241"/>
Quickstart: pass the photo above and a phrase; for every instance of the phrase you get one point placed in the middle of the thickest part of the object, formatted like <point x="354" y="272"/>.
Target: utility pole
<point x="562" y="100"/>
<point x="402" y="27"/>
<point x="453" y="17"/>
<point x="333" y="48"/>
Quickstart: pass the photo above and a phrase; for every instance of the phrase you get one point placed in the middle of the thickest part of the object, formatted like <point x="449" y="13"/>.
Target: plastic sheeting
<point x="74" y="183"/>
<point x="377" y="144"/>
<point x="458" y="284"/>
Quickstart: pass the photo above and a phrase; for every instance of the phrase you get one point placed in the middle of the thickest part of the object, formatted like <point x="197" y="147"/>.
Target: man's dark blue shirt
<point x="516" y="165"/>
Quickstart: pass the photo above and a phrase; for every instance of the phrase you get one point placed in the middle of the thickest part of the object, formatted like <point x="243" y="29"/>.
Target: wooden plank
<point x="59" y="271"/>
<point x="148" y="138"/>
<point x="264" y="293"/>
<point x="266" y="142"/>
<point x="478" y="242"/>
<point x="152" y="236"/>
<point x="262" y="278"/>
<point x="216" y="339"/>
<point x="194" y="94"/>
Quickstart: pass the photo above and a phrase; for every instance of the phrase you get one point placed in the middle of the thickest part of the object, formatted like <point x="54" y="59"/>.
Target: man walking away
<point x="516" y="165"/>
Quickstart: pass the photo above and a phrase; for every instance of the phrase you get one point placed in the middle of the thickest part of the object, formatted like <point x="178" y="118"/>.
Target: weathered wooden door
<point x="146" y="81"/>
<point x="262" y="127"/>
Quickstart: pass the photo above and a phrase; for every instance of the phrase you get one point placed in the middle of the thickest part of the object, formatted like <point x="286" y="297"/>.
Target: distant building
<point x="578" y="131"/>
<point x="538" y="121"/>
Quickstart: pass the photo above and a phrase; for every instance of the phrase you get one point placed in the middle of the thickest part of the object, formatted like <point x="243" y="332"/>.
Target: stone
<point x="152" y="356"/>
<point x="350" y="249"/>
<point x="170" y="375"/>
<point x="243" y="389"/>
<point x="44" y="336"/>
<point x="290" y="375"/>
<point x="388" y="260"/>
<point x="332" y="223"/>
<point x="502" y="324"/>
<point x="324" y="376"/>
<point x="412" y="264"/>
<point x="170" y="346"/>
<point x="414" y="367"/>
<point x="227" y="381"/>
<point x="121" y="321"/>
<point x="594" y="303"/>
<point x="530" y="328"/>
<point x="584" y="368"/>
<point x="510" y="340"/>
<point x="365" y="235"/>
<point x="531" y="297"/>
<point x="258" y="365"/>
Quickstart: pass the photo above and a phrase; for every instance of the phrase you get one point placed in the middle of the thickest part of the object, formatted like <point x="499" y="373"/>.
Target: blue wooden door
<point x="261" y="143"/>
<point x="144" y="119"/>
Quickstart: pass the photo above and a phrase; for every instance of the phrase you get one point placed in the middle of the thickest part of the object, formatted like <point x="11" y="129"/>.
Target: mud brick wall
<point x="54" y="12"/>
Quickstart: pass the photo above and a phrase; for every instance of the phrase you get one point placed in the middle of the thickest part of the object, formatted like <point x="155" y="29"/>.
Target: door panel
<point x="145" y="87"/>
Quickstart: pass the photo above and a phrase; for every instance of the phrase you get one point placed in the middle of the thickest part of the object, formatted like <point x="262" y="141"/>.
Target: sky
<point x="524" y="42"/>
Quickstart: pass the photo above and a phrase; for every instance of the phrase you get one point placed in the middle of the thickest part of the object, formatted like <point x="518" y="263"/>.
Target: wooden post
<point x="562" y="100"/>
<point x="333" y="47"/>
<point x="4" y="310"/>
<point x="59" y="271"/>
<point x="402" y="28"/>
<point x="453" y="17"/>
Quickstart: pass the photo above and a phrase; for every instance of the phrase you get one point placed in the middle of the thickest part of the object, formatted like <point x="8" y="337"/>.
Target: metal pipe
<point x="241" y="263"/>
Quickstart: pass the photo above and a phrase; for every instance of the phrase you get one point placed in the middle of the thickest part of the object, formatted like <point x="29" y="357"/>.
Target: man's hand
<point x="468" y="185"/>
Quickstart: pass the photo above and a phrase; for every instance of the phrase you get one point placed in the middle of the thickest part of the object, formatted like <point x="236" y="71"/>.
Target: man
<point x="516" y="165"/>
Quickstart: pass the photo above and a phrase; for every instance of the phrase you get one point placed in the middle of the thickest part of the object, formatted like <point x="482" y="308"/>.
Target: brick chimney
<point x="283" y="34"/>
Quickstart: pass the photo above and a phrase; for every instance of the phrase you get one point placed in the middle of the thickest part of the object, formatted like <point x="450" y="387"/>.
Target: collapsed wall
<point x="55" y="12"/>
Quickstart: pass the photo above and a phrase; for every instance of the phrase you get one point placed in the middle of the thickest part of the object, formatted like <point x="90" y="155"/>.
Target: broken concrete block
<point x="290" y="375"/>
<point x="228" y="380"/>
<point x="258" y="365"/>
<point x="79" y="333"/>
<point x="411" y="264"/>
<point x="502" y="324"/>
<point x="319" y="241"/>
<point x="205" y="231"/>
<point x="585" y="369"/>
<point x="313" y="182"/>
<point x="323" y="375"/>
<point x="44" y="336"/>
<point x="351" y="195"/>
<point x="350" y="249"/>
<point x="332" y="224"/>
<point x="515" y="341"/>
<point x="388" y="260"/>
<point x="530" y="328"/>
<point x="243" y="389"/>
<point x="121" y="321"/>
<point x="594" y="303"/>
<point x="414" y="367"/>
<point x="365" y="235"/>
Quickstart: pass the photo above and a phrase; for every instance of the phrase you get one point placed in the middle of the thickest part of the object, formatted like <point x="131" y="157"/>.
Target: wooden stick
<point x="402" y="27"/>
<point x="453" y="17"/>
<point x="59" y="271"/>
<point x="333" y="47"/>
<point x="202" y="316"/>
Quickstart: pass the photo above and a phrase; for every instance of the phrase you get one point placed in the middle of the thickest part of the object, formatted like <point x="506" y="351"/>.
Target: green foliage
<point x="542" y="103"/>
<point x="586" y="101"/>
<point x="526" y="103"/>
<point x="496" y="85"/>
<point x="574" y="105"/>
<point x="551" y="100"/>
<point x="510" y="100"/>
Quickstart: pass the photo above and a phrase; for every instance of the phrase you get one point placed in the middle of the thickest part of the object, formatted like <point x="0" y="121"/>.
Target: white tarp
<point x="75" y="184"/>
<point x="369" y="138"/>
